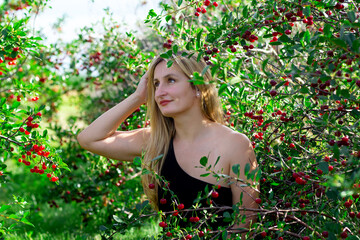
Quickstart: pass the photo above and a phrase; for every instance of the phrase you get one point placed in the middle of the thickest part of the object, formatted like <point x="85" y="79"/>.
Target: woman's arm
<point x="101" y="136"/>
<point x="242" y="154"/>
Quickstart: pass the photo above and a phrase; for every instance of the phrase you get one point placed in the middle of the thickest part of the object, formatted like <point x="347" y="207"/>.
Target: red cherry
<point x="214" y="194"/>
<point x="189" y="236"/>
<point x="292" y="145"/>
<point x="203" y="10"/>
<point x="53" y="166"/>
<point x="258" y="200"/>
<point x="344" y="235"/>
<point x="168" y="234"/>
<point x="215" y="4"/>
<point x="163" y="224"/>
<point x="207" y="2"/>
<point x="287" y="32"/>
<point x="163" y="201"/>
<point x="273" y="93"/>
<point x="331" y="168"/>
<point x="347" y="204"/>
<point x="319" y="171"/>
<point x="198" y="9"/>
<point x="263" y="234"/>
<point x="180" y="206"/>
<point x="201" y="234"/>
<point x="352" y="214"/>
<point x="197" y="14"/>
<point x="151" y="186"/>
<point x="306" y="238"/>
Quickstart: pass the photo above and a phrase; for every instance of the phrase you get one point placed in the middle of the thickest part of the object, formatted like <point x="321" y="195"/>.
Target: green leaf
<point x="3" y="100"/>
<point x="284" y="38"/>
<point x="217" y="160"/>
<point x="14" y="216"/>
<point x="179" y="3"/>
<point x="24" y="220"/>
<point x="205" y="175"/>
<point x="204" y="70"/>
<point x="4" y="208"/>
<point x="169" y="63"/>
<point x="175" y="49"/>
<point x="222" y="88"/>
<point x="235" y="80"/>
<point x="356" y="46"/>
<point x="236" y="169"/>
<point x="103" y="228"/>
<point x="338" y="42"/>
<point x="41" y="107"/>
<point x="15" y="104"/>
<point x="152" y="13"/>
<point x="167" y="18"/>
<point x="307" y="11"/>
<point x="158" y="157"/>
<point x="137" y="161"/>
<point x="203" y="161"/>
<point x="198" y="38"/>
<point x="166" y="55"/>
<point x="224" y="235"/>
<point x="333" y="227"/>
<point x="247" y="169"/>
<point x="324" y="166"/>
<point x="327" y="30"/>
<point x="245" y="12"/>
<point x="275" y="43"/>
<point x="117" y="219"/>
<point x="351" y="16"/>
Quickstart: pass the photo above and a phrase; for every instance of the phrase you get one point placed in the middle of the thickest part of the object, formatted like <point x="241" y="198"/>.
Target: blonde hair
<point x="162" y="128"/>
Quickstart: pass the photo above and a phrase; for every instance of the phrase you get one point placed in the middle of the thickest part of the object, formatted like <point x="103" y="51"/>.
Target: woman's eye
<point x="171" y="80"/>
<point x="156" y="84"/>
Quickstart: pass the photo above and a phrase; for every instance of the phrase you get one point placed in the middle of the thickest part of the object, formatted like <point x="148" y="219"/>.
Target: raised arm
<point x="242" y="154"/>
<point x="101" y="136"/>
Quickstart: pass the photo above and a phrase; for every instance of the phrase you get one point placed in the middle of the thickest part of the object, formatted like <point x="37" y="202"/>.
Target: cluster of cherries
<point x="95" y="58"/>
<point x="33" y="152"/>
<point x="30" y="125"/>
<point x="192" y="219"/>
<point x="11" y="60"/>
<point x="203" y="9"/>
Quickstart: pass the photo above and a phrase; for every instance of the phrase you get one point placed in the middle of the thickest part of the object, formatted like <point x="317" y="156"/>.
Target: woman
<point x="186" y="125"/>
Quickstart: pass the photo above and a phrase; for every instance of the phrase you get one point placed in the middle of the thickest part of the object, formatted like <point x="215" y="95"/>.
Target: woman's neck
<point x="192" y="129"/>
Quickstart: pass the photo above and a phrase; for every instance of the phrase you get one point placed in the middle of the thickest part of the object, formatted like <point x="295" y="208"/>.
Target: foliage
<point x="288" y="75"/>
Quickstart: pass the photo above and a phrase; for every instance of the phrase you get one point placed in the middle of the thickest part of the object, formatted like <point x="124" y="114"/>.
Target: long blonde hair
<point x="162" y="128"/>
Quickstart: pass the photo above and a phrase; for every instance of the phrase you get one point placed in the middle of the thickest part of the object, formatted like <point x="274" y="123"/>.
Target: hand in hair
<point x="141" y="88"/>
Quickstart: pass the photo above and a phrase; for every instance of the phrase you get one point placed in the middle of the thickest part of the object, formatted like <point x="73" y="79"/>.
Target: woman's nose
<point x="160" y="90"/>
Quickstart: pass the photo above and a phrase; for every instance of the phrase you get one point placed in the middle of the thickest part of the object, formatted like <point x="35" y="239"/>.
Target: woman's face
<point x="174" y="94"/>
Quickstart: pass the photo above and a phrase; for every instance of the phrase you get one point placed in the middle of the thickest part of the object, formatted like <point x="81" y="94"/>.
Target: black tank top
<point x="187" y="188"/>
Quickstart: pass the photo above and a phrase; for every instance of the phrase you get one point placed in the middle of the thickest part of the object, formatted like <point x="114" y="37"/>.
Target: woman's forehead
<point x="162" y="71"/>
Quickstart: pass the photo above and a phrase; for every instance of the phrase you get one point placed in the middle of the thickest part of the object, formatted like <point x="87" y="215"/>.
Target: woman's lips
<point x="164" y="102"/>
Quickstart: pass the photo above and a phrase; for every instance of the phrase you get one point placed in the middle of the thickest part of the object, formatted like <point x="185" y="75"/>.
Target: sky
<point x="80" y="13"/>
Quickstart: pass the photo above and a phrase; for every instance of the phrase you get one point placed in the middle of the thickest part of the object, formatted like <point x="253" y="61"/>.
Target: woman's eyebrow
<point x="166" y="76"/>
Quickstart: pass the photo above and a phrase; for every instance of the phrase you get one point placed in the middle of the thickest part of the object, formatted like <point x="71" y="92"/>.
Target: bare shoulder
<point x="231" y="138"/>
<point x="237" y="147"/>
